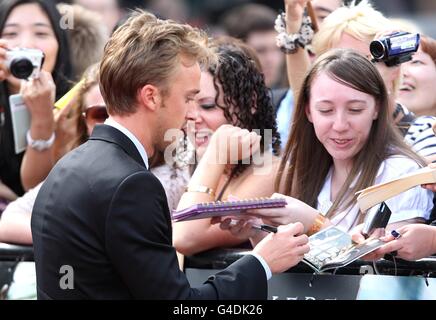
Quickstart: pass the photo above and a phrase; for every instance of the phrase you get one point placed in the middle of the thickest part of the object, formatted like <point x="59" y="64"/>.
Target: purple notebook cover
<point x="226" y="208"/>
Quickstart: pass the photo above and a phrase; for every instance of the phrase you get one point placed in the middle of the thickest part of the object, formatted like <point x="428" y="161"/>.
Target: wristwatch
<point x="40" y="145"/>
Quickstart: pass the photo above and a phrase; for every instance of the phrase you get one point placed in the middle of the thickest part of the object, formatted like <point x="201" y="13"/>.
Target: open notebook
<point x="375" y="194"/>
<point x="225" y="208"/>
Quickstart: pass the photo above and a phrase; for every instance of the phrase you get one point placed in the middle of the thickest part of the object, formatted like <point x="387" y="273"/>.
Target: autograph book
<point x="332" y="248"/>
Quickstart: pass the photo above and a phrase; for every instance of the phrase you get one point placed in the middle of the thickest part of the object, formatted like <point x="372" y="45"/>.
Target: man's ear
<point x="149" y="97"/>
<point x="308" y="114"/>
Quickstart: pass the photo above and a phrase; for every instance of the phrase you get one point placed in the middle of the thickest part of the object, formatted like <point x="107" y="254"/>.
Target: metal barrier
<point x="221" y="258"/>
<point x="13" y="252"/>
<point x="10" y="256"/>
<point x="384" y="279"/>
<point x="358" y="280"/>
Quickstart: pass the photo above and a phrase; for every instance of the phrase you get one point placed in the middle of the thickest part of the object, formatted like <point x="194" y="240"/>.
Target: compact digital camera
<point x="395" y="48"/>
<point x="24" y="63"/>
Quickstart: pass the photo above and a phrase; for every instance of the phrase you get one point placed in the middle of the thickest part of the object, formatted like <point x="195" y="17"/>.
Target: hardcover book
<point x="375" y="194"/>
<point x="225" y="208"/>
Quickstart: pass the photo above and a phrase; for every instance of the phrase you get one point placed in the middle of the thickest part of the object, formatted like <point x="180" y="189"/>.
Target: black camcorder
<point x="376" y="218"/>
<point x="395" y="48"/>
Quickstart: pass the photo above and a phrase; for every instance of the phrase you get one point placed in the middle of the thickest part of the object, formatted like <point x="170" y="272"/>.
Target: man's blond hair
<point x="146" y="50"/>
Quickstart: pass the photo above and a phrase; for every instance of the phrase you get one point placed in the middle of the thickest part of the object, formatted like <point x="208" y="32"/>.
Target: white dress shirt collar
<point x="111" y="122"/>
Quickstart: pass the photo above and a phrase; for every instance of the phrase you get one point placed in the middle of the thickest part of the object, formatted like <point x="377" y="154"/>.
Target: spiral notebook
<point x="225" y="208"/>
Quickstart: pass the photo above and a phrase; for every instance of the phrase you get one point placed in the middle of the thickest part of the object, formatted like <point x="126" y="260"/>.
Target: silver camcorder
<point x="24" y="63"/>
<point x="395" y="48"/>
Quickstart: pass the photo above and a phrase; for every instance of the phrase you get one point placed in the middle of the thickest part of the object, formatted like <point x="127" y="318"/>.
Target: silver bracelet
<point x="289" y="43"/>
<point x="39" y="145"/>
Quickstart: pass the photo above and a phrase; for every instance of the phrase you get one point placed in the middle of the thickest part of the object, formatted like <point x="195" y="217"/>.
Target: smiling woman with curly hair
<point x="233" y="100"/>
<point x="241" y="91"/>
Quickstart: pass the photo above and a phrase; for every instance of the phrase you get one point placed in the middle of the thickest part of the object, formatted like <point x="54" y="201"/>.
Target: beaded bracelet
<point x="289" y="43"/>
<point x="317" y="224"/>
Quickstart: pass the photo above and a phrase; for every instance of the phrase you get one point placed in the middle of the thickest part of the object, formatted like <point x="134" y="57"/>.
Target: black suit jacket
<point x="103" y="214"/>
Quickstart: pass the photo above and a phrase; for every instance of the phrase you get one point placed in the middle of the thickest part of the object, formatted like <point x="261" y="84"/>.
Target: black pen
<point x="265" y="227"/>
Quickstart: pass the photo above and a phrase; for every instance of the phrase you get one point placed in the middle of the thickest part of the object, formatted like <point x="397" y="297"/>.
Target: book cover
<point x="375" y="194"/>
<point x="225" y="208"/>
<point x="332" y="248"/>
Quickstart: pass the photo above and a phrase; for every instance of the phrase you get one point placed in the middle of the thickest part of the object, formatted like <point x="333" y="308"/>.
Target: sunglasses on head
<point x="96" y="113"/>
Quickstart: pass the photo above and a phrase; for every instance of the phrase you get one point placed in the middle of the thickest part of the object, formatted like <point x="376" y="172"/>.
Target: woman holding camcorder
<point x="35" y="63"/>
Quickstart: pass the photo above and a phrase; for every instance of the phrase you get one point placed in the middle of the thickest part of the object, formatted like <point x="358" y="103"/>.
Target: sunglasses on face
<point x="96" y="113"/>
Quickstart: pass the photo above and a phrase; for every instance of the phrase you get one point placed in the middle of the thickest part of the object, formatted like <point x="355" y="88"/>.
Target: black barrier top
<point x="221" y="258"/>
<point x="13" y="252"/>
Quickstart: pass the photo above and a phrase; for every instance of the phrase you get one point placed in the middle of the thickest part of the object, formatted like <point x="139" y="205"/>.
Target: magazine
<point x="333" y="248"/>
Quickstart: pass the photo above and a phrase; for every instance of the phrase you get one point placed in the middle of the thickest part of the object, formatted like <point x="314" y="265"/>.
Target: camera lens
<point x="377" y="49"/>
<point x="21" y="68"/>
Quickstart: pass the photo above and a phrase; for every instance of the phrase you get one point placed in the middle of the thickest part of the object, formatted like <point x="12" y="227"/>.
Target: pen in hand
<point x="262" y="227"/>
<point x="265" y="227"/>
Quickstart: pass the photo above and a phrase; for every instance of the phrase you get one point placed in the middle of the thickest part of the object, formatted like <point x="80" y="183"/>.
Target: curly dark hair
<point x="247" y="100"/>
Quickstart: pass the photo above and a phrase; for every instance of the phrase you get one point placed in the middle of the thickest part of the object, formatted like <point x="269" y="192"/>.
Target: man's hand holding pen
<point x="280" y="247"/>
<point x="248" y="227"/>
<point x="244" y="226"/>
